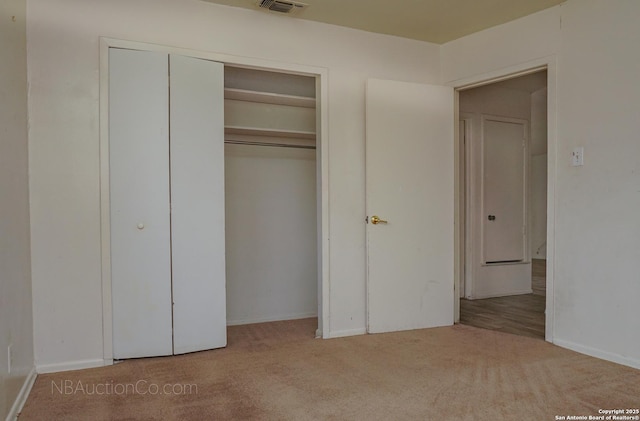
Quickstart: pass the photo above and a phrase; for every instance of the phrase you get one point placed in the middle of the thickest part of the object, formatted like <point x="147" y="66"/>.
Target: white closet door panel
<point x="139" y="199"/>
<point x="197" y="197"/>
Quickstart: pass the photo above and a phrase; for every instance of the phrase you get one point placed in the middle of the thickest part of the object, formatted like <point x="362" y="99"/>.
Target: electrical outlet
<point x="9" y="358"/>
<point x="577" y="157"/>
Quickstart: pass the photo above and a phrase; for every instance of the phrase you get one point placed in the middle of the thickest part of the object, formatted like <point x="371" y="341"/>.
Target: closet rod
<point x="276" y="145"/>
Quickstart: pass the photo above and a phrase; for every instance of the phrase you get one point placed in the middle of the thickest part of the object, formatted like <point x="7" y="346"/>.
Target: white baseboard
<point x="593" y="352"/>
<point x="71" y="365"/>
<point x="22" y="395"/>
<point x="271" y="319"/>
<point x="481" y="296"/>
<point x="347" y="332"/>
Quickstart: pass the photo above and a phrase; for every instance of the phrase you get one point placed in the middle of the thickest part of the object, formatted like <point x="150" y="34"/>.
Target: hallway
<point x="518" y="314"/>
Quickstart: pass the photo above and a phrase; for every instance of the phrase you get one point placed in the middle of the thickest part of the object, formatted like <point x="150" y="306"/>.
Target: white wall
<point x="493" y="280"/>
<point x="64" y="142"/>
<point x="270" y="233"/>
<point x="16" y="326"/>
<point x="596" y="260"/>
<point x="597" y="228"/>
<point x="501" y="47"/>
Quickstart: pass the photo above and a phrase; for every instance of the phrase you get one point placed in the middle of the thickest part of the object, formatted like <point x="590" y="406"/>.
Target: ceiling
<point x="436" y="21"/>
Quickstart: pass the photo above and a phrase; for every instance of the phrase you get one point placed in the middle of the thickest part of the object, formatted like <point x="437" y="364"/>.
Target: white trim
<point x="23" y="394"/>
<point x="72" y="365"/>
<point x="522" y="69"/>
<point x="464" y="216"/>
<point x="272" y="319"/>
<point x="105" y="204"/>
<point x="322" y="160"/>
<point x="347" y="332"/>
<point x="227" y="59"/>
<point x="480" y="296"/>
<point x="552" y="158"/>
<point x="322" y="151"/>
<point x="603" y="355"/>
<point x="550" y="64"/>
<point x="461" y="214"/>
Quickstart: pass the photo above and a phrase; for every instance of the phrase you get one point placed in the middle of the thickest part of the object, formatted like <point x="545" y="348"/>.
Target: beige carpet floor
<point x="278" y="371"/>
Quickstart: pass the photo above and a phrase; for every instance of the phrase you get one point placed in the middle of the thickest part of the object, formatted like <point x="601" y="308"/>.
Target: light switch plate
<point x="577" y="157"/>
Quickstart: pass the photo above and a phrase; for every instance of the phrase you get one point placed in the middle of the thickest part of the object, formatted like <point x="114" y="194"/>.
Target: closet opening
<point x="271" y="204"/>
<point x="172" y="120"/>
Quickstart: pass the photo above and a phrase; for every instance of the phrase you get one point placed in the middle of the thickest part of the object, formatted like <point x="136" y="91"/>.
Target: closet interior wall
<point x="270" y="193"/>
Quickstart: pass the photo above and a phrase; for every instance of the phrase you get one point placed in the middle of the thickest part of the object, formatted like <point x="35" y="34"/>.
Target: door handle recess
<point x="375" y="220"/>
<point x="492" y="217"/>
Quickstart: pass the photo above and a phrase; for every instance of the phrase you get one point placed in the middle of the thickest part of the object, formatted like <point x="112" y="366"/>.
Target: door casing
<point x="548" y="63"/>
<point x="463" y="199"/>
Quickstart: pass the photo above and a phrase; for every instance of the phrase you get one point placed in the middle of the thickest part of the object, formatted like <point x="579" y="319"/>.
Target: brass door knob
<point x="375" y="220"/>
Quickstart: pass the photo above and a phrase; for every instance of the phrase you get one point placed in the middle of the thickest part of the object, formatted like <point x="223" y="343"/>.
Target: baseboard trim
<point x="347" y="332"/>
<point x="597" y="353"/>
<point x="20" y="400"/>
<point x="501" y="294"/>
<point x="71" y="365"/>
<point x="271" y="319"/>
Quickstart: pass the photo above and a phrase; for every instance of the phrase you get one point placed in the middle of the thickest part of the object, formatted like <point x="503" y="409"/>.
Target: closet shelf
<point x="269" y="98"/>
<point x="254" y="131"/>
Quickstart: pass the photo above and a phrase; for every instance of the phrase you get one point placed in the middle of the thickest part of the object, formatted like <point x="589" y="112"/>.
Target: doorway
<point x="503" y="207"/>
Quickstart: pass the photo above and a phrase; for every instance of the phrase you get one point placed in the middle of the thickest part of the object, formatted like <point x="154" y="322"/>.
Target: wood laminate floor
<point x="517" y="314"/>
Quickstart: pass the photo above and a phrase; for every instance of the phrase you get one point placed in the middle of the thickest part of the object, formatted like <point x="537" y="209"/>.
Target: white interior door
<point x="503" y="187"/>
<point x="197" y="204"/>
<point x="409" y="183"/>
<point x="139" y="199"/>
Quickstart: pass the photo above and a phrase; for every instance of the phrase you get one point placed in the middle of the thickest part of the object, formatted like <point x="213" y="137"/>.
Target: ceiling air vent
<point x="281" y="6"/>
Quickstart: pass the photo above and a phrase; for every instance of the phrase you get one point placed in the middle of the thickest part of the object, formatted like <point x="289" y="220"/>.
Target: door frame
<point x="464" y="286"/>
<point x="548" y="63"/>
<point x="322" y="169"/>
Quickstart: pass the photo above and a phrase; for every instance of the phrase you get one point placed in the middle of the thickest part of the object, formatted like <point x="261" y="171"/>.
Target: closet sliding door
<point x="166" y="146"/>
<point x="197" y="203"/>
<point x="139" y="198"/>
